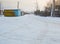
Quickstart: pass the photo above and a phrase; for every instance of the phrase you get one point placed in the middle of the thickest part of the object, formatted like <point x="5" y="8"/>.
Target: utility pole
<point x="18" y="5"/>
<point x="37" y="5"/>
<point x="53" y="8"/>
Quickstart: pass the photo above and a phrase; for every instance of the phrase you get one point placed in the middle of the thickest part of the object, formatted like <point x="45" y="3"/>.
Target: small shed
<point x="12" y="12"/>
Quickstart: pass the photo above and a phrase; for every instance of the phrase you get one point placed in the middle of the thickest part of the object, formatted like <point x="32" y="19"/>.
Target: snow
<point x="29" y="29"/>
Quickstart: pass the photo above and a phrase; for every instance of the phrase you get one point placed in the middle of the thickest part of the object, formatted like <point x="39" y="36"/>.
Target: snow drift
<point x="29" y="29"/>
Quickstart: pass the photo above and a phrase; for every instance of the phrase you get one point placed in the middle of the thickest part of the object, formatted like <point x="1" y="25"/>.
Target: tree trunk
<point x="53" y="8"/>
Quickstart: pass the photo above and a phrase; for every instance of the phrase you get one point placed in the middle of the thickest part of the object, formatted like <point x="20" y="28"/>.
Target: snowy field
<point x="29" y="29"/>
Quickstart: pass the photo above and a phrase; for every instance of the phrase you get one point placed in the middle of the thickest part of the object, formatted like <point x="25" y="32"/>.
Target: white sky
<point x="30" y="5"/>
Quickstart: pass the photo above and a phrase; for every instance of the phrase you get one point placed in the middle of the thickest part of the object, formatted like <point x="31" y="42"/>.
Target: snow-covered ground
<point x="29" y="29"/>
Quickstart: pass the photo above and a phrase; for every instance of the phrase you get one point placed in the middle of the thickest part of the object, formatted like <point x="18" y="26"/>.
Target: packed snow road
<point x="29" y="29"/>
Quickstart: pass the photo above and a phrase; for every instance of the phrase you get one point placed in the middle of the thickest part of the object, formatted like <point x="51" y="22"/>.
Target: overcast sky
<point x="28" y="5"/>
<point x="31" y="4"/>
